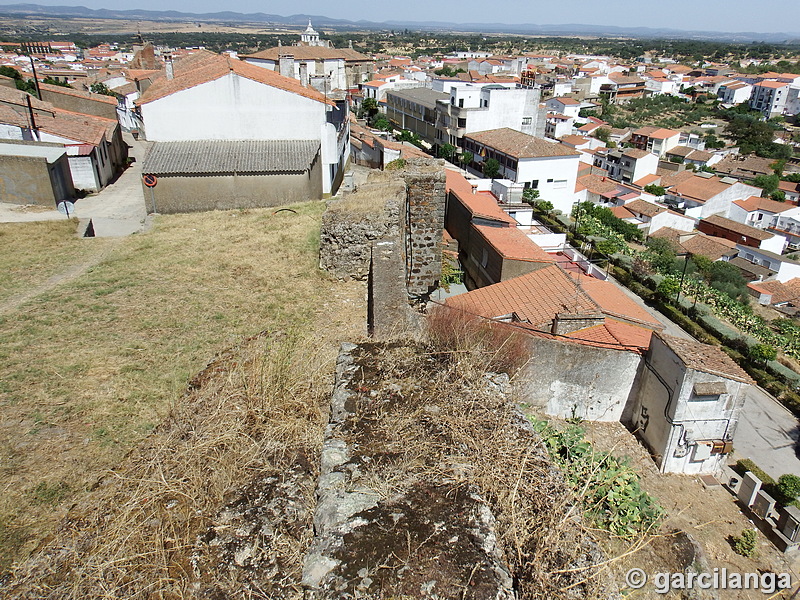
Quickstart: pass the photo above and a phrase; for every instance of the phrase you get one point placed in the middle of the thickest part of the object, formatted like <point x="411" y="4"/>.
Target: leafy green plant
<point x="608" y="487"/>
<point x="788" y="487"/>
<point x="491" y="168"/>
<point x="745" y="544"/>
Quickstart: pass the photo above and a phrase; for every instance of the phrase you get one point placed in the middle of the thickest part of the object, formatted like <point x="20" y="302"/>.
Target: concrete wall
<point x="86" y="106"/>
<point x="668" y="419"/>
<point x="556" y="178"/>
<point x="31" y="180"/>
<point x="180" y="194"/>
<point x="237" y="108"/>
<point x="570" y="380"/>
<point x="233" y="108"/>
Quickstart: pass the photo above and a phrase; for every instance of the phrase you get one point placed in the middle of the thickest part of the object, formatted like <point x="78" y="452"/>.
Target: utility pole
<point x="35" y="78"/>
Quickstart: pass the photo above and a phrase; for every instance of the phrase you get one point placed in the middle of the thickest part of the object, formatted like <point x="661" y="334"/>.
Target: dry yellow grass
<point x="89" y="367"/>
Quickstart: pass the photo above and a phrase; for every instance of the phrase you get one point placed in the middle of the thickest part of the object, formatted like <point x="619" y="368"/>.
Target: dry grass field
<point x="92" y="362"/>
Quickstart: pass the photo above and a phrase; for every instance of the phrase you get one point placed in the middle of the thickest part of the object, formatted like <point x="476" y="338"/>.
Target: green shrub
<point x="607" y="486"/>
<point x="745" y="544"/>
<point x="745" y="464"/>
<point x="788" y="487"/>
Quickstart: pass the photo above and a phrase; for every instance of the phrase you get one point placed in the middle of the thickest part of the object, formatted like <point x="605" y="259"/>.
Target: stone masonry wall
<point x="424" y="224"/>
<point x="353" y="222"/>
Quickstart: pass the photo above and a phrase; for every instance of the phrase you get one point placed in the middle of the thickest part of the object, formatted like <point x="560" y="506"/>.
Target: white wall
<point x="556" y="176"/>
<point x="83" y="173"/>
<point x="237" y="108"/>
<point x="232" y="108"/>
<point x="670" y="219"/>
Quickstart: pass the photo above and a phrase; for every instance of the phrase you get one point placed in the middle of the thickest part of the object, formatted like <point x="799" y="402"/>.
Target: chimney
<point x="304" y="74"/>
<point x="566" y="323"/>
<point x="286" y="65"/>
<point x="168" y="66"/>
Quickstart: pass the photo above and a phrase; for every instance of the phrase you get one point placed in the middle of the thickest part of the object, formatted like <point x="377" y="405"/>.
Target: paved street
<point x="768" y="434"/>
<point x="117" y="210"/>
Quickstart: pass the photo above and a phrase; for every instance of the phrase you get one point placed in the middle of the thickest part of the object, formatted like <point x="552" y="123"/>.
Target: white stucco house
<point x="214" y="98"/>
<point x="704" y="194"/>
<point x="537" y="163"/>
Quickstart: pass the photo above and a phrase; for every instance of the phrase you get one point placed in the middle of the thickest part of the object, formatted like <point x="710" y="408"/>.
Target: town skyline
<point x="574" y="16"/>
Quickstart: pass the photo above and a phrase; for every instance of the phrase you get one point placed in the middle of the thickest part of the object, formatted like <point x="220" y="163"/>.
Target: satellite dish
<point x="65" y="207"/>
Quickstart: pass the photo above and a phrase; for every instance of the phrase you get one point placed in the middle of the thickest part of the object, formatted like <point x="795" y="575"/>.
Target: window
<point x="549" y="181"/>
<point x="535" y="184"/>
<point x="461" y="103"/>
<point x="527" y="121"/>
<point x="462" y="122"/>
<point x="559" y="184"/>
<point x="484" y="257"/>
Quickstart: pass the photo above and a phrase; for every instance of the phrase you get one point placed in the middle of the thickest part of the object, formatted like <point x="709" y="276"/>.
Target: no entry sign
<point x="150" y="180"/>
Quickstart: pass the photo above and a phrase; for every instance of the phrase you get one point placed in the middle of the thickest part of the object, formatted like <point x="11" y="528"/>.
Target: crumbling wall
<point x="389" y="232"/>
<point x="424" y="224"/>
<point x="413" y="488"/>
<point x="568" y="380"/>
<point x="351" y="223"/>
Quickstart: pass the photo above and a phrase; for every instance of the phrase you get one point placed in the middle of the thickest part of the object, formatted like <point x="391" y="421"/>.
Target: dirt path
<point x="69" y="274"/>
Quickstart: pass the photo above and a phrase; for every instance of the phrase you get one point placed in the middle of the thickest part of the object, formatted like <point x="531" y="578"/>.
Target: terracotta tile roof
<point x="788" y="186"/>
<point x="699" y="188"/>
<point x="647" y="180"/>
<point x="137" y="74"/>
<point x="712" y="248"/>
<point x="479" y="204"/>
<point x="615" y="333"/>
<point x="574" y="140"/>
<point x="620" y="79"/>
<point x="636" y="153"/>
<point x="520" y="145"/>
<point x="512" y="243"/>
<point x="78" y="93"/>
<point x="672" y="178"/>
<point x="758" y="203"/>
<point x="746" y="167"/>
<point x="566" y="101"/>
<point x="204" y="66"/>
<point x="645" y="208"/>
<point x="69" y="125"/>
<point x="603" y="186"/>
<point x="771" y="84"/>
<point x="316" y="53"/>
<point x="75" y="126"/>
<point x="739" y="228"/>
<point x="682" y="151"/>
<point x="536" y="298"/>
<point x="621" y="212"/>
<point x="614" y="302"/>
<point x="375" y="83"/>
<point x="662" y="134"/>
<point x="588" y="127"/>
<point x="705" y="358"/>
<point x="788" y="292"/>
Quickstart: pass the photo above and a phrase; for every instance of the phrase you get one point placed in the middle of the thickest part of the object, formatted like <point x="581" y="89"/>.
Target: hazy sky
<point x="707" y="15"/>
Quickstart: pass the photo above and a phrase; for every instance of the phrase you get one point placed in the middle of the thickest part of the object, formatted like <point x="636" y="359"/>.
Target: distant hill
<point x="22" y="10"/>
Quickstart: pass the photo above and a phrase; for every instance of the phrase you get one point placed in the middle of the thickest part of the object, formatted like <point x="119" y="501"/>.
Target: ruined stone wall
<point x="389" y="232"/>
<point x="424" y="224"/>
<point x="353" y="222"/>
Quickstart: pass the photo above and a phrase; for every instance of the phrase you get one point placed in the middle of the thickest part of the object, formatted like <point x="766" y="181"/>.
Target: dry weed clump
<point x="492" y="345"/>
<point x="428" y="414"/>
<point x="247" y="417"/>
